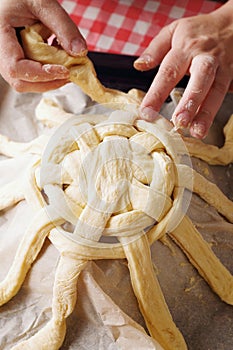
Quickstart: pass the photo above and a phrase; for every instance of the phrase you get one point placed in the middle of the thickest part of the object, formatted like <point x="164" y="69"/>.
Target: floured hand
<point x="202" y="47"/>
<point x="26" y="75"/>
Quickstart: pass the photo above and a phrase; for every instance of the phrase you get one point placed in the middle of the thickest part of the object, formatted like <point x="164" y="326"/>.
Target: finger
<point x="202" y="75"/>
<point x="205" y="116"/>
<point x="14" y="67"/>
<point x="10" y="49"/>
<point x="155" y="52"/>
<point x="231" y="87"/>
<point x="53" y="16"/>
<point x="32" y="71"/>
<point x="10" y="52"/>
<point x="171" y="70"/>
<point x="26" y="86"/>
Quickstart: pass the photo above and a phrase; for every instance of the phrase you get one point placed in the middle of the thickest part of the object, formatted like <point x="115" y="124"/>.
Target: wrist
<point x="225" y="12"/>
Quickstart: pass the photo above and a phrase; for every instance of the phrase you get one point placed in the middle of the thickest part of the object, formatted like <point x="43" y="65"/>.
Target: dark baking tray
<point x="117" y="72"/>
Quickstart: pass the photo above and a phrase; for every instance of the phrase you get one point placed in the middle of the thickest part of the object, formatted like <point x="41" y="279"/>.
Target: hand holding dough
<point x="81" y="69"/>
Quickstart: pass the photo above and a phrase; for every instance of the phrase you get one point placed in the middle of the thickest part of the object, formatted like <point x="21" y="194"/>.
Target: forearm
<point x="226" y="11"/>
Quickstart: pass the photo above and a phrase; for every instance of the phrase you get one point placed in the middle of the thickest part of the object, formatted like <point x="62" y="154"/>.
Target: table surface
<point x="128" y="26"/>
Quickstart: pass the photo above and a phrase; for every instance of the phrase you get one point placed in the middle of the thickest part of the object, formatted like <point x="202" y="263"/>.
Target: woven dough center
<point x="108" y="179"/>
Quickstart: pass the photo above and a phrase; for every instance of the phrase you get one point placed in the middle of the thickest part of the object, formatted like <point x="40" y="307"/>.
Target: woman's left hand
<point x="202" y="47"/>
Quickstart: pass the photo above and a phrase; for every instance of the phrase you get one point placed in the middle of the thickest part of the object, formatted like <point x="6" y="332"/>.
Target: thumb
<point x="54" y="17"/>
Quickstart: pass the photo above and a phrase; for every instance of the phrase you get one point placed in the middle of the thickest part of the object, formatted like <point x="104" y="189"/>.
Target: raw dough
<point x="113" y="154"/>
<point x="82" y="71"/>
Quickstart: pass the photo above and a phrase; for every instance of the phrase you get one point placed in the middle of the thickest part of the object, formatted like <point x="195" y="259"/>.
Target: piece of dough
<point x="82" y="71"/>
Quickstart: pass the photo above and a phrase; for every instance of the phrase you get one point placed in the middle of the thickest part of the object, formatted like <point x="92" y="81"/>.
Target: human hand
<point x="202" y="47"/>
<point x="26" y="75"/>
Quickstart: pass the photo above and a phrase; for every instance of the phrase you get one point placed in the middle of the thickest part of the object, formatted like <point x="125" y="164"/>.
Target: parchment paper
<point x="106" y="311"/>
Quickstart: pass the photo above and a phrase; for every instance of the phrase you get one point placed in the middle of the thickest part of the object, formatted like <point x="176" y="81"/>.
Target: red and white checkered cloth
<point x="127" y="26"/>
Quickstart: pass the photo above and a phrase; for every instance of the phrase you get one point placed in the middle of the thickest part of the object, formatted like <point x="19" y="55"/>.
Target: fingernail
<point x="55" y="69"/>
<point x="181" y="120"/>
<point x="148" y="114"/>
<point x="78" y="47"/>
<point x="198" y="130"/>
<point x="144" y="60"/>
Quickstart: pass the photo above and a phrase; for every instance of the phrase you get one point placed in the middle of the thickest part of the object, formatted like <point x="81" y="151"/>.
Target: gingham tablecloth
<point x="127" y="26"/>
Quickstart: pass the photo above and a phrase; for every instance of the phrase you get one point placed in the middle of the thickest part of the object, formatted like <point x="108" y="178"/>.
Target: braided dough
<point x="108" y="176"/>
